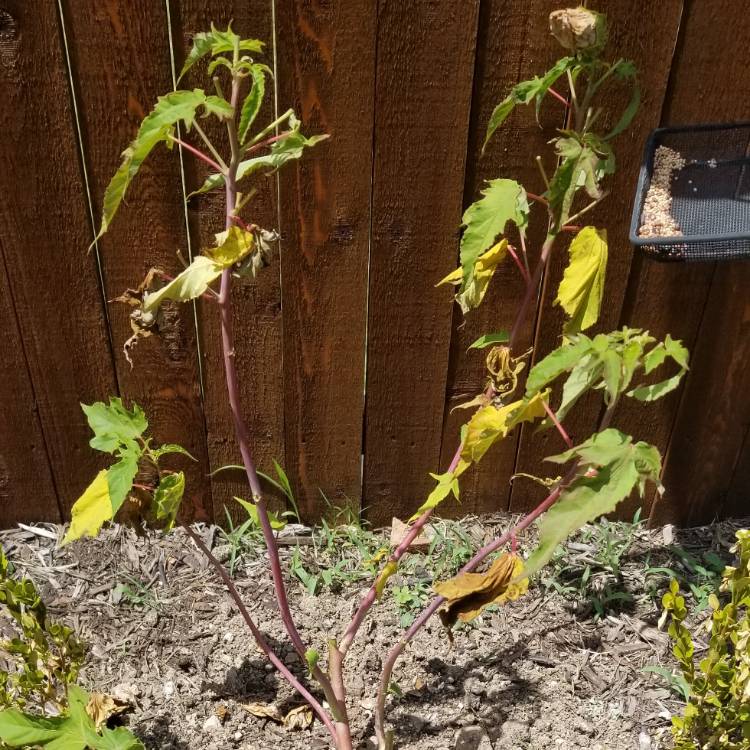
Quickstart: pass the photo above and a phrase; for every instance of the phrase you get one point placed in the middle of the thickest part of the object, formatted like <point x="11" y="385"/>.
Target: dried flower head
<point x="579" y="29"/>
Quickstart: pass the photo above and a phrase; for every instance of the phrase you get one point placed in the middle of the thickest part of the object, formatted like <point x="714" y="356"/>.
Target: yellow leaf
<point x="582" y="286"/>
<point x="264" y="711"/>
<point x="467" y="594"/>
<point x="491" y="423"/>
<point x="446" y="484"/>
<point x="388" y="570"/>
<point x="91" y="509"/>
<point x="484" y="268"/>
<point x="233" y="245"/>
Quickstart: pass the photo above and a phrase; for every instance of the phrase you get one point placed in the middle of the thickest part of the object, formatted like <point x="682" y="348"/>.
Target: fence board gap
<point x="414" y="242"/>
<point x="325" y="72"/>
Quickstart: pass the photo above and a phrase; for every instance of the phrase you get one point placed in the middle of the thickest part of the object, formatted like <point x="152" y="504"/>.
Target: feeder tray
<point x="710" y="194"/>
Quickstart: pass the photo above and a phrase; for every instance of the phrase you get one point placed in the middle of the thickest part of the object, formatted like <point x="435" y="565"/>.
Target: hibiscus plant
<point x="596" y="475"/>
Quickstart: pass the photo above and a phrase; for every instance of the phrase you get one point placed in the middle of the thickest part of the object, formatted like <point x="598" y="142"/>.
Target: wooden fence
<point x="351" y="359"/>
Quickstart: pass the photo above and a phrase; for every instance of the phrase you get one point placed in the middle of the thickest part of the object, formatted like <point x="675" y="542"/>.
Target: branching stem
<point x="210" y="147"/>
<point x="196" y="152"/>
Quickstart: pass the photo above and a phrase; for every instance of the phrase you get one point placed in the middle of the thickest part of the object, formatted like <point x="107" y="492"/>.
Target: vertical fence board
<point x="650" y="44"/>
<point x="120" y="60"/>
<point x="256" y="303"/>
<point x="709" y="83"/>
<point x="27" y="492"/>
<point x="422" y="106"/>
<point x="326" y="72"/>
<point x="513" y="44"/>
<point x="45" y="229"/>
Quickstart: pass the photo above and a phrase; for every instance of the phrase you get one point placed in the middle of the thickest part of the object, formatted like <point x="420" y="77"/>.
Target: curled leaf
<point x="472" y="293"/>
<point x="168" y="497"/>
<point x="299" y="718"/>
<point x="579" y="29"/>
<point x="467" y="594"/>
<point x="388" y="570"/>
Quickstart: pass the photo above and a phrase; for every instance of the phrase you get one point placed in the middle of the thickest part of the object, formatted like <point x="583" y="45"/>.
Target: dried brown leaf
<point x="102" y="706"/>
<point x="299" y="718"/>
<point x="264" y="711"/>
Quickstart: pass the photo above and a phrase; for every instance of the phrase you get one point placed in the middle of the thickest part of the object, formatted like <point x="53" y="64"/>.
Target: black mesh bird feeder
<point x="692" y="202"/>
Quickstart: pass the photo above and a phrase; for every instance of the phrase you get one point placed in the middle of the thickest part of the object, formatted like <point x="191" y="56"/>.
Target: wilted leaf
<point x="102" y="706"/>
<point x="611" y="466"/>
<point x="215" y="42"/>
<point x="299" y="718"/>
<point x="168" y="497"/>
<point x="287" y="149"/>
<point x="232" y="245"/>
<point x="489" y="339"/>
<point x="264" y="711"/>
<point x="252" y="510"/>
<point x="502" y="201"/>
<point x="253" y="101"/>
<point x="178" y="106"/>
<point x="91" y="510"/>
<point x="113" y="425"/>
<point x="189" y="284"/>
<point x="76" y="731"/>
<point x="490" y="424"/>
<point x="472" y="293"/>
<point x="467" y="594"/>
<point x="388" y="570"/>
<point x="582" y="286"/>
<point x="169" y="449"/>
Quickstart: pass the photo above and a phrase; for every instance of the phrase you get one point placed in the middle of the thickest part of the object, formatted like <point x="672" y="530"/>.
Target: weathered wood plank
<point x="709" y="83"/>
<point x="513" y="44"/>
<point x="27" y="492"/>
<point x="256" y="303"/>
<point x="650" y="44"/>
<point x="326" y="72"/>
<point x="120" y="60"/>
<point x="422" y="107"/>
<point x="45" y="230"/>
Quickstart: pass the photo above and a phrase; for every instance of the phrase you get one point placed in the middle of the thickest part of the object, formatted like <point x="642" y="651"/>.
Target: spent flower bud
<point x="579" y="29"/>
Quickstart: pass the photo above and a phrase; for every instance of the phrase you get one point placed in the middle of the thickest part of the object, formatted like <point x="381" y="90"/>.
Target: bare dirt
<point x="542" y="672"/>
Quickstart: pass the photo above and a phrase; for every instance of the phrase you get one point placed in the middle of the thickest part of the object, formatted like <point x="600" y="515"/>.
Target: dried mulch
<point x="542" y="672"/>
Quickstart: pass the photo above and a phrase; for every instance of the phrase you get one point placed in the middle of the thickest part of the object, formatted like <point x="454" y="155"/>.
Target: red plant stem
<point x="267" y="142"/>
<point x="369" y="598"/>
<point x="537" y="198"/>
<point x="244" y="225"/>
<point x="531" y="289"/>
<point x="197" y="152"/>
<point x="571" y="228"/>
<point x="435" y="604"/>
<point x="557" y="424"/>
<point x="559" y="97"/>
<point x="520" y="265"/>
<point x="259" y="639"/>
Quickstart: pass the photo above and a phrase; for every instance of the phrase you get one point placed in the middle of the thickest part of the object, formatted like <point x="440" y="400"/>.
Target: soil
<point x="541" y="672"/>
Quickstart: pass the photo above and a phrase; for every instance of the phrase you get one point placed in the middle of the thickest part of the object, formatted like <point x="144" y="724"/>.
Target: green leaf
<point x="620" y="467"/>
<point x="113" y="425"/>
<point x="19" y="730"/>
<point x="525" y="92"/>
<point x="157" y="126"/>
<point x="252" y="511"/>
<point x="489" y="339"/>
<point x="216" y="41"/>
<point x="168" y="449"/>
<point x="446" y="484"/>
<point x="120" y="477"/>
<point x="555" y="363"/>
<point x="233" y="245"/>
<point x="283" y="151"/>
<point x="669" y="348"/>
<point x="582" y="286"/>
<point x="503" y="201"/>
<point x="168" y="497"/>
<point x="91" y="510"/>
<point x="625" y="69"/>
<point x="253" y="101"/>
<point x="582" y="378"/>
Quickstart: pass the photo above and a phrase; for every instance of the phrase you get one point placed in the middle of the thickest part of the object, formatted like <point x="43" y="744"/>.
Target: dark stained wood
<point x="714" y="415"/>
<point x="45" y="230"/>
<point x="422" y="107"/>
<point x="256" y="303"/>
<point x="120" y="60"/>
<point x="513" y="44"/>
<point x="709" y="83"/>
<point x="27" y="492"/>
<point x="650" y="43"/>
<point x="326" y="70"/>
<point x="738" y="497"/>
